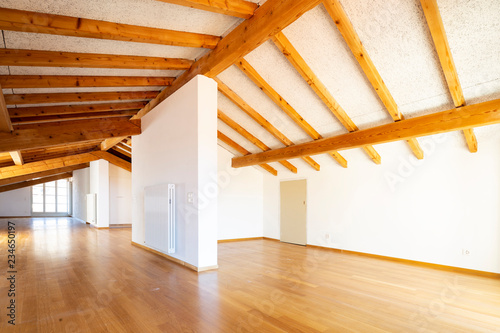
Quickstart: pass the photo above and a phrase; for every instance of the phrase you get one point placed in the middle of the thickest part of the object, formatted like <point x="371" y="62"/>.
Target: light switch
<point x="190" y="197"/>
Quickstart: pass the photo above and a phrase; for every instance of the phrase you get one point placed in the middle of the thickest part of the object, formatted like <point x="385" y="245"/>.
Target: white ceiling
<point x="394" y="33"/>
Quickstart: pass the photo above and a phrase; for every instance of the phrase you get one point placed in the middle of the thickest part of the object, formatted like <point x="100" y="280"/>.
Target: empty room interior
<point x="250" y="166"/>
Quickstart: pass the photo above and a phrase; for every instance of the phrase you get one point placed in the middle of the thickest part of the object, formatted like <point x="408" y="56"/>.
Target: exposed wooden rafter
<point x="111" y="142"/>
<point x="257" y="117"/>
<point x="319" y="88"/>
<point x="50" y="164"/>
<point x="20" y="20"/>
<point x="436" y="27"/>
<point x="237" y="8"/>
<point x="16" y="57"/>
<point x="5" y="123"/>
<point x="113" y="160"/>
<point x="47" y="173"/>
<point x="283" y="104"/>
<point x="250" y="137"/>
<point x="487" y="113"/>
<point x="17" y="157"/>
<point x="20" y="99"/>
<point x="268" y="19"/>
<point x="74" y="116"/>
<point x="41" y="111"/>
<point x="243" y="151"/>
<point x="339" y="16"/>
<point x="56" y="133"/>
<point x="67" y="81"/>
<point x="35" y="182"/>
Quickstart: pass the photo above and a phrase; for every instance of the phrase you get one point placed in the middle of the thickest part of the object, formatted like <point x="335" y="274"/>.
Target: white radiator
<point x="159" y="217"/>
<point x="91" y="208"/>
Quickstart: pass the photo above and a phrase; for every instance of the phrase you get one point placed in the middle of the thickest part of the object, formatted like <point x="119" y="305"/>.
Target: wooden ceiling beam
<point x="113" y="160"/>
<point x="237" y="8"/>
<point x="257" y="117"/>
<point x="243" y="151"/>
<point x="487" y="113"/>
<point x="344" y="25"/>
<point x="45" y="165"/>
<point x="67" y="81"/>
<point x="59" y="133"/>
<point x="24" y="21"/>
<point x="436" y="27"/>
<point x="17" y="57"/>
<point x="250" y="137"/>
<point x="35" y="182"/>
<point x="71" y="117"/>
<point x="124" y="147"/>
<point x="111" y="142"/>
<point x="121" y="151"/>
<point x="23" y="99"/>
<point x="251" y="73"/>
<point x="319" y="88"/>
<point x="43" y="111"/>
<point x="267" y="20"/>
<point x="17" y="157"/>
<point x="47" y="173"/>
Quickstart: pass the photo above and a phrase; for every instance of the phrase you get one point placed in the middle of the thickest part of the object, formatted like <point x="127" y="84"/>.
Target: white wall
<point x="120" y="195"/>
<point x="240" y="200"/>
<point x="178" y="145"/>
<point x="81" y="187"/>
<point x="426" y="210"/>
<point x="99" y="184"/>
<point x="16" y="203"/>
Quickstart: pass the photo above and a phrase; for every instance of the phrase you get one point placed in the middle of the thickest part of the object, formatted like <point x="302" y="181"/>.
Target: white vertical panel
<point x="91" y="207"/>
<point x="159" y="217"/>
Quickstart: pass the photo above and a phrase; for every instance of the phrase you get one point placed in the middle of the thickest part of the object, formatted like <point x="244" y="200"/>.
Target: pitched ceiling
<point x="338" y="68"/>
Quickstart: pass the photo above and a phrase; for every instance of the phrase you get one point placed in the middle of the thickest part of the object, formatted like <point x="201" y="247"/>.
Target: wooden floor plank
<point x="74" y="278"/>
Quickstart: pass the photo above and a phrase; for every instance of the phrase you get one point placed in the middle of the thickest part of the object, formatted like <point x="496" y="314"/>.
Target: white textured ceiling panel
<point x="149" y="13"/>
<point x="319" y="42"/>
<point x="45" y="42"/>
<point x="258" y="100"/>
<point x="473" y="30"/>
<point x="22" y="70"/>
<point x="396" y="37"/>
<point x="82" y="89"/>
<point x="236" y="114"/>
<point x="282" y="76"/>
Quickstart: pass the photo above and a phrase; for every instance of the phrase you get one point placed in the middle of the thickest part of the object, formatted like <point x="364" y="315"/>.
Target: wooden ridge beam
<point x="482" y="114"/>
<point x="24" y="21"/>
<point x="436" y="27"/>
<point x="47" y="173"/>
<point x="35" y="182"/>
<point x="344" y="25"/>
<point x="59" y="133"/>
<point x="243" y="151"/>
<point x="113" y="160"/>
<point x="319" y="88"/>
<point x="237" y="8"/>
<point x="251" y="73"/>
<point x="250" y="137"/>
<point x="268" y="19"/>
<point x="67" y="81"/>
<point x="42" y="111"/>
<point x="70" y="117"/>
<point x="50" y="164"/>
<point x="17" y="57"/>
<point x="23" y="99"/>
<point x="257" y="117"/>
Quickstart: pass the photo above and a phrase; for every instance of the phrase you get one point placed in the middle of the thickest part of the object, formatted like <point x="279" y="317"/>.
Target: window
<point x="52" y="198"/>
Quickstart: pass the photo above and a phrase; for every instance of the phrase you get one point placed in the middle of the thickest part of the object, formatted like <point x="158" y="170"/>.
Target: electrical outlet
<point x="327" y="236"/>
<point x="465" y="252"/>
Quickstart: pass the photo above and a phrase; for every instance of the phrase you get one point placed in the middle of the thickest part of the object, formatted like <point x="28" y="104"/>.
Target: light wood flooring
<point x="74" y="278"/>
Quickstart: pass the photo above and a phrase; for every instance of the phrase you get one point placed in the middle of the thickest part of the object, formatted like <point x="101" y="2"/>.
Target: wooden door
<point x="293" y="211"/>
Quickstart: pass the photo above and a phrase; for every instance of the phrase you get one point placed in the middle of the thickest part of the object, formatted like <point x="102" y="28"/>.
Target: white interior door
<point x="293" y="211"/>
